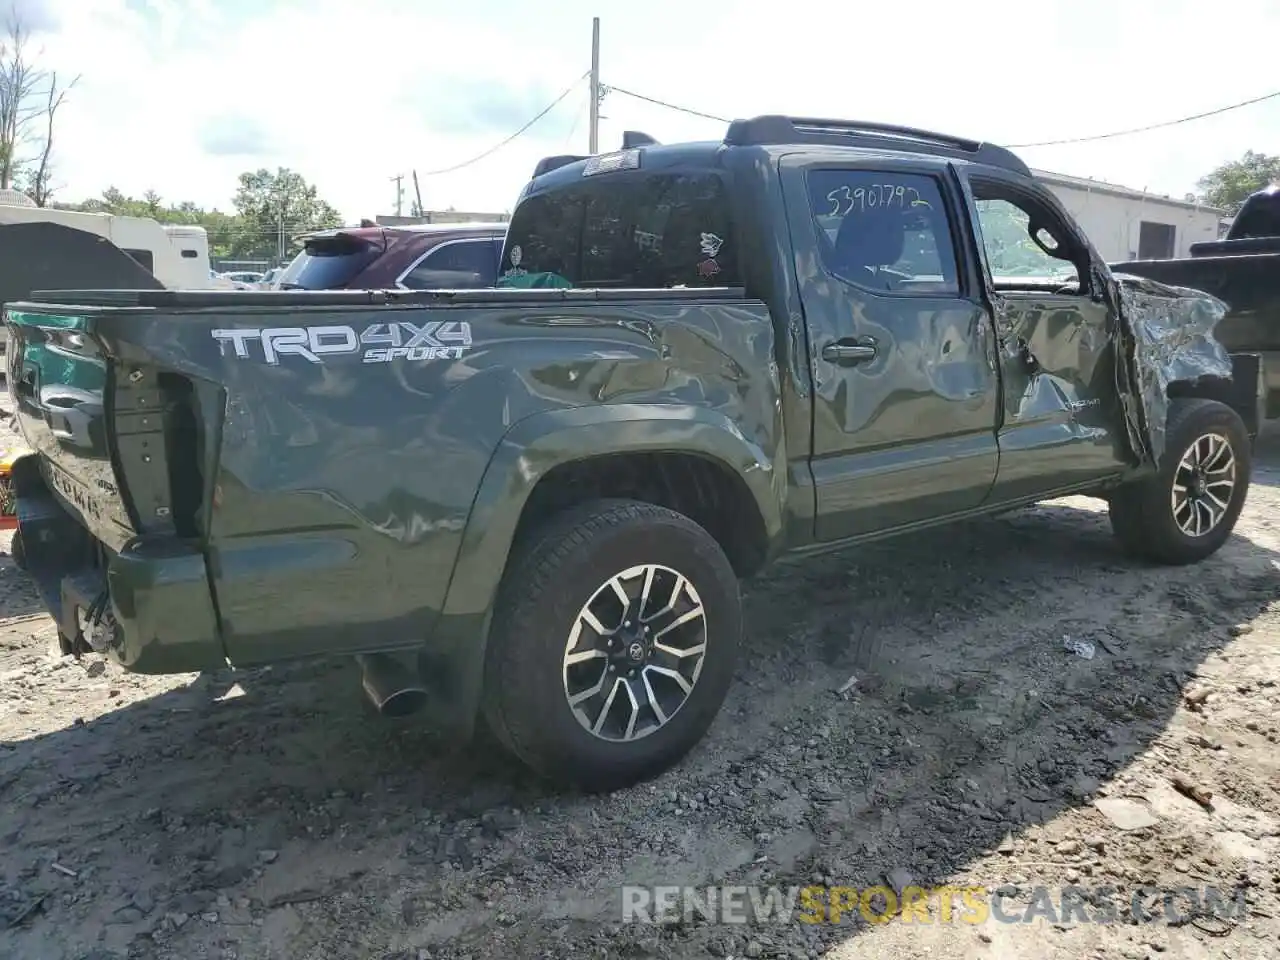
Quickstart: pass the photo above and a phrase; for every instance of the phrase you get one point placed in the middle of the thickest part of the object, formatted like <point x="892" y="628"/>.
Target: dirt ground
<point x="270" y="815"/>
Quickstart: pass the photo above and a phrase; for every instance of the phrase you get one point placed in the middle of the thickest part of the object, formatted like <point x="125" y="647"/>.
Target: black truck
<point x="1243" y="271"/>
<point x="536" y="504"/>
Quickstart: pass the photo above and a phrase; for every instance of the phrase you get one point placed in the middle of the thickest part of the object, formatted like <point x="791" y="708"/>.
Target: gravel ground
<point x="269" y="815"/>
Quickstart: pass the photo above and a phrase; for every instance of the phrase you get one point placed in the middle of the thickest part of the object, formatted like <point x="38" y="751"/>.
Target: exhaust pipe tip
<point x="402" y="703"/>
<point x="393" y="689"/>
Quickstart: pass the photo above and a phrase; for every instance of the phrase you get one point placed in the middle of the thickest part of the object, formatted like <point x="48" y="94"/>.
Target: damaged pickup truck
<point x="536" y="504"/>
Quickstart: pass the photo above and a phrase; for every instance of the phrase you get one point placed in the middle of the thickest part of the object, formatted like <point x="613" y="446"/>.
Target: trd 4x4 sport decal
<point x="379" y="343"/>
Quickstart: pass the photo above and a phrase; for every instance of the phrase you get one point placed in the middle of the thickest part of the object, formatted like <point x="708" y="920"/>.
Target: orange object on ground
<point x="8" y="506"/>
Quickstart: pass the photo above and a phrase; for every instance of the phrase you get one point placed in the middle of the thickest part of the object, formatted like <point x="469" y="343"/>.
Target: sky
<point x="180" y="96"/>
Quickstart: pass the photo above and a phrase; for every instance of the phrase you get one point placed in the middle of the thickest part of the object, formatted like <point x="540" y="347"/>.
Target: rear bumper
<point x="159" y="590"/>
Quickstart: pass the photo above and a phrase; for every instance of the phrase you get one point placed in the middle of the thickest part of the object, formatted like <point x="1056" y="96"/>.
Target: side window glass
<point x="884" y="231"/>
<point x="457" y="265"/>
<point x="1019" y="245"/>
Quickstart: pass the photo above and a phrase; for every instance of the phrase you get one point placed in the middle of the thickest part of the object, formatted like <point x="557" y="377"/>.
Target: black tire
<point x="17" y="552"/>
<point x="1142" y="513"/>
<point x="553" y="574"/>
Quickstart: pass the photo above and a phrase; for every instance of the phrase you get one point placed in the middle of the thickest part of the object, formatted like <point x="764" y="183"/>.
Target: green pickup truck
<point x="535" y="504"/>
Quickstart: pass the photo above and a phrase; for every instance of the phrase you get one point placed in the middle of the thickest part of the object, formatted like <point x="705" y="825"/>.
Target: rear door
<point x="1061" y="422"/>
<point x="906" y="392"/>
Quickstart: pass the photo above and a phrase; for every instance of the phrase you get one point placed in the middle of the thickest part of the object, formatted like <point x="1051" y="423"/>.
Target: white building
<point x="1126" y="224"/>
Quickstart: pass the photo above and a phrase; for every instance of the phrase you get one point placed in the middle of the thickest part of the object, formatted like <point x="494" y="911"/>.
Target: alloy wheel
<point x="635" y="652"/>
<point x="1203" y="485"/>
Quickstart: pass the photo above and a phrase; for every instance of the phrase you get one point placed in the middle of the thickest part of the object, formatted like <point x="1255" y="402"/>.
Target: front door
<point x="906" y="391"/>
<point x="1062" y="423"/>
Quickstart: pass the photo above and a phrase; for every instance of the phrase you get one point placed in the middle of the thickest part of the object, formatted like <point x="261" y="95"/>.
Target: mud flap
<point x="1171" y="341"/>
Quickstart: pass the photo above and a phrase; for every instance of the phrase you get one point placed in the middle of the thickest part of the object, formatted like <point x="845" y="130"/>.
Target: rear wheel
<point x="613" y="644"/>
<point x="1186" y="511"/>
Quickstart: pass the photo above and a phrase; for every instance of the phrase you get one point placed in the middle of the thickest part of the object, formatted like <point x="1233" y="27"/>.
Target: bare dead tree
<point x="19" y="82"/>
<point x="29" y="101"/>
<point x="40" y="186"/>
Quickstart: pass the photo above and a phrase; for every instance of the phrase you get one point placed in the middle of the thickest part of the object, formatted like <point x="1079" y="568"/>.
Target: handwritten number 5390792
<point x="846" y="200"/>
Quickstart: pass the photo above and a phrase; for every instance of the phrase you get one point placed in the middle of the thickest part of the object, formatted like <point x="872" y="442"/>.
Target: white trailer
<point x="178" y="256"/>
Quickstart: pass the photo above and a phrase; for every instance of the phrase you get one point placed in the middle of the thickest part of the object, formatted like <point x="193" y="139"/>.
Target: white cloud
<point x="352" y="94"/>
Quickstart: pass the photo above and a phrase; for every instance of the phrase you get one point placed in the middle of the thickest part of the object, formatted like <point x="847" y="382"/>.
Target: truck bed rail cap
<point x="301" y="299"/>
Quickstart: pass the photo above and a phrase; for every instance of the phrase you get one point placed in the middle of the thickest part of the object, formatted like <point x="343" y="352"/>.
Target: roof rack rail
<point x="777" y="129"/>
<point x="547" y="164"/>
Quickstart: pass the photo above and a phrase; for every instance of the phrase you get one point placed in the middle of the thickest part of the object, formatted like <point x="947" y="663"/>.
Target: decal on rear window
<point x="515" y="256"/>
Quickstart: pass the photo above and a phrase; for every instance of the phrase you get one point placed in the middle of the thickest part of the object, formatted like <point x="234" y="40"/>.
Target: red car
<point x="437" y="256"/>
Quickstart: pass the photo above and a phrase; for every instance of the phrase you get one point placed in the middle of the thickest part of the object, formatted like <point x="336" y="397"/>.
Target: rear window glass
<point x="326" y="266"/>
<point x="647" y="231"/>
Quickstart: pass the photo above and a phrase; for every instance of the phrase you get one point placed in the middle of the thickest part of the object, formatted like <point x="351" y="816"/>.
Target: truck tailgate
<point x="58" y="378"/>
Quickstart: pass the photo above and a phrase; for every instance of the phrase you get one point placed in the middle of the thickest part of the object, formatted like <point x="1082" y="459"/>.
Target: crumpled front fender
<point x="1172" y="341"/>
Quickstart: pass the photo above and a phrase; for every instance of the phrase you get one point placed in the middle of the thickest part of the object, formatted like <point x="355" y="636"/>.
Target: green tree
<point x="274" y="208"/>
<point x="224" y="229"/>
<point x="1230" y="184"/>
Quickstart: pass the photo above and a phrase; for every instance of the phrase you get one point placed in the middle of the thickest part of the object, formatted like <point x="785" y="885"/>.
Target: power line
<point x="496" y="147"/>
<point x="663" y="103"/>
<point x="1045" y="143"/>
<point x="1154" y="126"/>
<point x="577" y="118"/>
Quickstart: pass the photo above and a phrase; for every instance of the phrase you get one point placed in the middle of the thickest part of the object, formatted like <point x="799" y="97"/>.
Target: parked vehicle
<point x="1242" y="270"/>
<point x="536" y="505"/>
<point x="455" y="256"/>
<point x="244" y="279"/>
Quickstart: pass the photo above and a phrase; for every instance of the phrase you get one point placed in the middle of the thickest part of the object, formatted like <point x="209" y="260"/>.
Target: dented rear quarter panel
<point x="344" y="490"/>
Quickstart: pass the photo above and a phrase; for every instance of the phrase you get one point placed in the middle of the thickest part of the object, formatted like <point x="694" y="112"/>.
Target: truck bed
<point x="314" y="456"/>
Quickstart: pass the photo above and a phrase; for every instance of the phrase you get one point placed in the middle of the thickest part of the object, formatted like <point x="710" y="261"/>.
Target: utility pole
<point x="594" y="137"/>
<point x="280" y="230"/>
<point x="398" y="180"/>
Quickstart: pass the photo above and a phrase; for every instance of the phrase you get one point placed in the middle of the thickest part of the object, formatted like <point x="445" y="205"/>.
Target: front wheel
<point x="1186" y="511"/>
<point x="613" y="644"/>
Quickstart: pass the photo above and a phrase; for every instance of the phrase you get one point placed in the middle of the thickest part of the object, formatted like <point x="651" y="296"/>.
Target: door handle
<point x="850" y="351"/>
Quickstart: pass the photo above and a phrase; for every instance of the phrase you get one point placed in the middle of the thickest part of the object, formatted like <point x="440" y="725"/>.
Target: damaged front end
<point x="1167" y="333"/>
